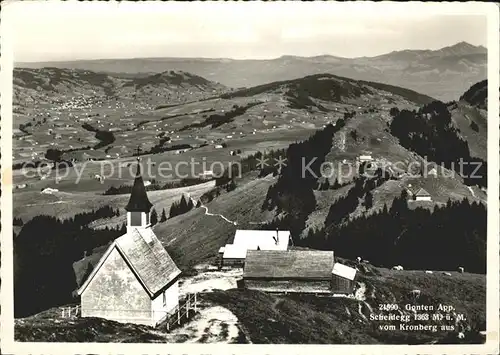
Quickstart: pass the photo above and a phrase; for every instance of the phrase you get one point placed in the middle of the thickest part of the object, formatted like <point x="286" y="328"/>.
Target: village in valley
<point x="296" y="200"/>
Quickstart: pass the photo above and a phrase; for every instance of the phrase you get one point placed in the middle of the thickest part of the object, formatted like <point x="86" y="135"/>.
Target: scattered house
<point x="365" y="158"/>
<point x="433" y="172"/>
<point x="234" y="254"/>
<point x="418" y="194"/>
<point x="207" y="174"/>
<point x="21" y="186"/>
<point x="49" y="191"/>
<point x="136" y="280"/>
<point x="219" y="146"/>
<point x="422" y="195"/>
<point x="297" y="271"/>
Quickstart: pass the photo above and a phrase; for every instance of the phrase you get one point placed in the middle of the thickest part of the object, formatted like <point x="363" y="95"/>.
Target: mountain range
<point x="324" y="118"/>
<point x="444" y="74"/>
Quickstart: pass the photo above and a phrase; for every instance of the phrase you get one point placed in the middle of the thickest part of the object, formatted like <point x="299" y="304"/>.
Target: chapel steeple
<point x="138" y="206"/>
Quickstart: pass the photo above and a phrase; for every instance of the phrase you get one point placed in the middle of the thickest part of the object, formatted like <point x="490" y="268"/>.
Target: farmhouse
<point x="234" y="254"/>
<point x="136" y="280"/>
<point x="297" y="271"/>
<point x="422" y="195"/>
<point x="207" y="174"/>
<point x="365" y="158"/>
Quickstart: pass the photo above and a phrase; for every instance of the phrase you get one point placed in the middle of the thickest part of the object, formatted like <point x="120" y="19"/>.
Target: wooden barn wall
<point x="116" y="294"/>
<point x="341" y="285"/>
<point x="233" y="262"/>
<point x="288" y="285"/>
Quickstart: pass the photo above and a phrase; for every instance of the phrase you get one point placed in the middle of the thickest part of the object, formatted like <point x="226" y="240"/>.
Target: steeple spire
<point x="139" y="201"/>
<point x="138" y="170"/>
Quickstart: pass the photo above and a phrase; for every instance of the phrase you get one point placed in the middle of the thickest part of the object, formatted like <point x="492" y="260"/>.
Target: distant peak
<point x="464" y="46"/>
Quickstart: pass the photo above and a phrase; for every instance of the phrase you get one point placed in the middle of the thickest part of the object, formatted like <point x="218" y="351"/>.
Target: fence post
<point x="178" y="315"/>
<point x="195" y="301"/>
<point x="168" y="323"/>
<point x="187" y="305"/>
<point x="62" y="310"/>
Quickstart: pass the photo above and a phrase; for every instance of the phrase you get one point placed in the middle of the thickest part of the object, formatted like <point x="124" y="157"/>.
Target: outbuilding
<point x="234" y="254"/>
<point x="297" y="271"/>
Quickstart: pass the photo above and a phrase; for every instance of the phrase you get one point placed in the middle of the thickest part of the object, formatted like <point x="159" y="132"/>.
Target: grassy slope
<point x="30" y="204"/>
<point x="194" y="237"/>
<point x="304" y="319"/>
<point x="462" y="116"/>
<point x="373" y="138"/>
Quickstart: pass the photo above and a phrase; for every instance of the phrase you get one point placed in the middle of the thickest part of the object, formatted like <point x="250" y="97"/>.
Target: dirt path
<point x="209" y="281"/>
<point x="474" y="194"/>
<point x="217" y="215"/>
<point x="213" y="324"/>
<point x="360" y="292"/>
<point x="471" y="191"/>
<point x="46" y="203"/>
<point x="211" y="214"/>
<point x="342" y="142"/>
<point x="360" y="295"/>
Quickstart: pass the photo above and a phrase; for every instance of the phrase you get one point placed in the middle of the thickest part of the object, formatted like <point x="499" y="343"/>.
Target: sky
<point x="54" y="30"/>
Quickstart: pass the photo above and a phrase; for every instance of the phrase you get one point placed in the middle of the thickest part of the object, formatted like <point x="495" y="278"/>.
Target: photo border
<point x="9" y="346"/>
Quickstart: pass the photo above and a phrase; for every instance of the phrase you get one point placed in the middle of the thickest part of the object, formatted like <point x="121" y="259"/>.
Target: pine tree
<point x="190" y="205"/>
<point x="163" y="216"/>
<point x="326" y="185"/>
<point x="231" y="186"/>
<point x="154" y="217"/>
<point x="174" y="210"/>
<point x="183" y="205"/>
<point x="368" y="200"/>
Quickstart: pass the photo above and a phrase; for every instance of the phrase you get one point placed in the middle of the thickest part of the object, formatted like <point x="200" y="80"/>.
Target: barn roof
<point x="139" y="201"/>
<point x="232" y="251"/>
<point x="267" y="238"/>
<point x="422" y="192"/>
<point x="344" y="271"/>
<point x="252" y="239"/>
<point x="289" y="264"/>
<point x="145" y="256"/>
